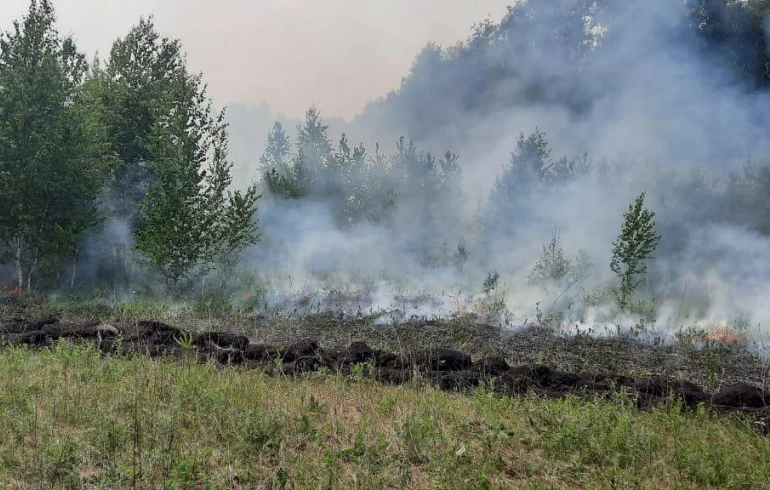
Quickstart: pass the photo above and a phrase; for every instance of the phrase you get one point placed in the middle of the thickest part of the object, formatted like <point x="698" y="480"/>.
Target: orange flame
<point x="9" y="290"/>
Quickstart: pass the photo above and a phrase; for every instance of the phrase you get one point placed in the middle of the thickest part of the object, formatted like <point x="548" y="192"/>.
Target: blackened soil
<point x="445" y="368"/>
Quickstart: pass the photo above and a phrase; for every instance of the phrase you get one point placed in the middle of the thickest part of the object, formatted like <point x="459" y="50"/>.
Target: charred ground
<point x="455" y="355"/>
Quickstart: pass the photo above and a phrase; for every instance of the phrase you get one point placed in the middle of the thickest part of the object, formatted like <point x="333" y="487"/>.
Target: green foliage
<point x="291" y="182"/>
<point x="190" y="219"/>
<point x="173" y="180"/>
<point x="738" y="29"/>
<point x="277" y="150"/>
<point x="282" y="177"/>
<point x="553" y="264"/>
<point x="633" y="248"/>
<point x="136" y="89"/>
<point x="52" y="158"/>
<point x="185" y="341"/>
<point x="531" y="171"/>
<point x="490" y="283"/>
<point x="358" y="187"/>
<point x="554" y="267"/>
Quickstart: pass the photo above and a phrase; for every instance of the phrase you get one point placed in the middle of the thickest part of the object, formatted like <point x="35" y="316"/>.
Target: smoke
<point x="635" y="85"/>
<point x="632" y="85"/>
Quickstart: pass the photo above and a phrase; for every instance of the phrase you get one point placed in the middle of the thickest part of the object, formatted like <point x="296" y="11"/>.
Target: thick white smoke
<point x="647" y="99"/>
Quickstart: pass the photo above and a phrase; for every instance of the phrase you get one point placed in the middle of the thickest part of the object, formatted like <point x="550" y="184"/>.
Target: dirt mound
<point x="491" y="366"/>
<point x="742" y="395"/>
<point x="445" y="368"/>
<point x="656" y="388"/>
<point x="220" y="340"/>
<point x="440" y="360"/>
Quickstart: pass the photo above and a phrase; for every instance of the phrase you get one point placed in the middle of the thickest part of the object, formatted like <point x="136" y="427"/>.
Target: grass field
<point x="72" y="418"/>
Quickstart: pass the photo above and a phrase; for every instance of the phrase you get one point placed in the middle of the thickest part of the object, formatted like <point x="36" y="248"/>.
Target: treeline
<point x="124" y="162"/>
<point x="133" y="139"/>
<point x="360" y="187"/>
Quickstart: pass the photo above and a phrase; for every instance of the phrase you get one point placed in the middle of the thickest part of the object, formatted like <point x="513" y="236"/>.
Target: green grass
<point x="71" y="418"/>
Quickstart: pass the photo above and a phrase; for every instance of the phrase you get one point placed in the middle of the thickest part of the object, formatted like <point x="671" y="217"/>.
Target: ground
<point x="239" y="401"/>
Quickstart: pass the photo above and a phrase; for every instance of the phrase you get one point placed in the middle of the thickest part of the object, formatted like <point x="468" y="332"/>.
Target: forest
<point x="544" y="166"/>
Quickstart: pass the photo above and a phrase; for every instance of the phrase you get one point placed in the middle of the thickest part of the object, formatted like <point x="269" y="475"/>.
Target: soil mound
<point x="447" y="369"/>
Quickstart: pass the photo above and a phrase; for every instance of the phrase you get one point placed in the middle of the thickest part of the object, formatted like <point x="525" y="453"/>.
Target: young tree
<point x="277" y="150"/>
<point x="136" y="88"/>
<point x="313" y="140"/>
<point x="51" y="163"/>
<point x="555" y="269"/>
<point x="633" y="248"/>
<point x="291" y="182"/>
<point x="190" y="221"/>
<point x="554" y="266"/>
<point x="312" y="170"/>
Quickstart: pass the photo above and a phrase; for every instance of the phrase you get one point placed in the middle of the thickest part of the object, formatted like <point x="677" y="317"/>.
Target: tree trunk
<point x="74" y="268"/>
<point x="29" y="275"/>
<point x="19" y="269"/>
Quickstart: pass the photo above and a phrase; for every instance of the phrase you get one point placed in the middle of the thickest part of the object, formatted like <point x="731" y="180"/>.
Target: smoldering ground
<point x="632" y="85"/>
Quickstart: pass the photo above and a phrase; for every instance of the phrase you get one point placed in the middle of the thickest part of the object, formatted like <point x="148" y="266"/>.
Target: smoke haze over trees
<point x="555" y="117"/>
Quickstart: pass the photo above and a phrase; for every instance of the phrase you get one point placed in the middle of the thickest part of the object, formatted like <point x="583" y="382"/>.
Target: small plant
<point x="363" y="370"/>
<point x="553" y="265"/>
<point x="490" y="284"/>
<point x="633" y="248"/>
<point x="185" y="341"/>
<point x="556" y="269"/>
<point x="460" y="255"/>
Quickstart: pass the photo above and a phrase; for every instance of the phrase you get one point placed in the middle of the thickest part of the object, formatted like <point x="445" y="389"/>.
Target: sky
<point x="336" y="54"/>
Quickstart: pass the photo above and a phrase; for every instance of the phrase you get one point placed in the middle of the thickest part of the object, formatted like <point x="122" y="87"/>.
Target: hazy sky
<point x="336" y="54"/>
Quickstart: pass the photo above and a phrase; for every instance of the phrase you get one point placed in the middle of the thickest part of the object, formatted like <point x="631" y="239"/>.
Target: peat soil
<point x="446" y="368"/>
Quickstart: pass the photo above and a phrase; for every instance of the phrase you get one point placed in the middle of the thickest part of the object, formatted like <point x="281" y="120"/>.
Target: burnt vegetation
<point x="446" y="368"/>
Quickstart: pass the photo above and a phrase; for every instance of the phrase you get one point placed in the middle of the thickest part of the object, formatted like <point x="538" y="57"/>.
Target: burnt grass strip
<point x="446" y="369"/>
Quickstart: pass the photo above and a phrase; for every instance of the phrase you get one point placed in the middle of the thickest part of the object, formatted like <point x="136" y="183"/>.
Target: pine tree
<point x="531" y="172"/>
<point x="554" y="266"/>
<point x="313" y="140"/>
<point x="277" y="150"/>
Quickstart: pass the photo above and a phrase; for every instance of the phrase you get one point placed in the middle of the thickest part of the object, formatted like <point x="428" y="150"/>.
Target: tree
<point x="51" y="159"/>
<point x="190" y="221"/>
<point x="633" y="248"/>
<point x="355" y="186"/>
<point x="311" y="171"/>
<point x="277" y="150"/>
<point x="554" y="266"/>
<point x="531" y="171"/>
<point x="136" y="91"/>
<point x="738" y="31"/>
<point x="313" y="141"/>
<point x="292" y="181"/>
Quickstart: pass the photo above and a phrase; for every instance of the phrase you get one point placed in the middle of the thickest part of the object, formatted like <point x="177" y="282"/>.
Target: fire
<point x="7" y="290"/>
<point x="460" y="310"/>
<point x="724" y="336"/>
